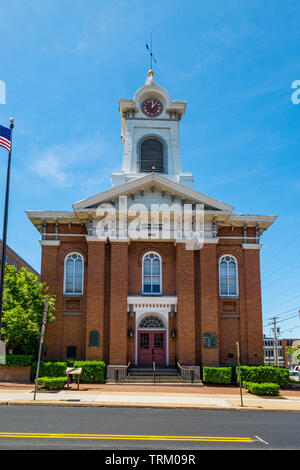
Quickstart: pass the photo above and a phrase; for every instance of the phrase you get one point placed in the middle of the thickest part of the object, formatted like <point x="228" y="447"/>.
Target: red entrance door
<point x="152" y="347"/>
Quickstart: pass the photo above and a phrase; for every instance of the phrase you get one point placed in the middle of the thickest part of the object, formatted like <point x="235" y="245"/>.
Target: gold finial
<point x="151" y="73"/>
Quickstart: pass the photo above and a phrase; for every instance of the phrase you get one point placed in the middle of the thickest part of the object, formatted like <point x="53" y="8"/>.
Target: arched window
<point x="152" y="274"/>
<point x="94" y="338"/>
<point x="73" y="283"/>
<point x="228" y="276"/>
<point x="151" y="322"/>
<point x="152" y="155"/>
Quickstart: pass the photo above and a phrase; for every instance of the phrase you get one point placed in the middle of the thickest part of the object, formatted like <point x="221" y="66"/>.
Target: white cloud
<point x="49" y="166"/>
<point x="78" y="163"/>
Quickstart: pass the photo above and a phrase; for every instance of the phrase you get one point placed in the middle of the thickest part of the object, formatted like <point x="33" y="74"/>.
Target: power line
<point x="278" y="279"/>
<point x="290" y="329"/>
<point x="285" y="319"/>
<point x="282" y="293"/>
<point x="286" y="301"/>
<point x="282" y="266"/>
<point x="286" y="316"/>
<point x="286" y="311"/>
<point x="280" y="251"/>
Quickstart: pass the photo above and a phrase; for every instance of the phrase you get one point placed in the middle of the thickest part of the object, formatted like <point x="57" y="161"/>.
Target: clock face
<point x="152" y="107"/>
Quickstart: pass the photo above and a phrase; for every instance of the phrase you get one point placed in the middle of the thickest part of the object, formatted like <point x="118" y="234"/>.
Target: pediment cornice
<point x="153" y="180"/>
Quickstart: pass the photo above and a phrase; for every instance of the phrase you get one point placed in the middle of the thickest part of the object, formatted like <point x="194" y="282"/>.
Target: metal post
<point x="41" y="343"/>
<point x="239" y="369"/>
<point x="275" y="342"/>
<point x="3" y="260"/>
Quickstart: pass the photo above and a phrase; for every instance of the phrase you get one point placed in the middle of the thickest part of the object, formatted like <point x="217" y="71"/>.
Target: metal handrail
<point x="154" y="371"/>
<point x="185" y="373"/>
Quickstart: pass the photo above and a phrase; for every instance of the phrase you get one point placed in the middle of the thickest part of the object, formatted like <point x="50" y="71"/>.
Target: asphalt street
<point x="46" y="427"/>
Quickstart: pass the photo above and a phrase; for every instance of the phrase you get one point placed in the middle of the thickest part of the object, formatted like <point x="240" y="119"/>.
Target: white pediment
<point x="152" y="189"/>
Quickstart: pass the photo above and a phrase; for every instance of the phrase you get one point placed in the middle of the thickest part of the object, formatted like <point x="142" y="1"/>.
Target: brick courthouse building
<point x="123" y="299"/>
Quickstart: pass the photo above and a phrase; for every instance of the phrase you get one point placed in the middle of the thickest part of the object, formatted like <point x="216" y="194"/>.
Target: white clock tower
<point x="150" y="135"/>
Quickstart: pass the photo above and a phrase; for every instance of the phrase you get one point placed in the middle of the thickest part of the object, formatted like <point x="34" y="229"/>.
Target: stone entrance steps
<point x="163" y="374"/>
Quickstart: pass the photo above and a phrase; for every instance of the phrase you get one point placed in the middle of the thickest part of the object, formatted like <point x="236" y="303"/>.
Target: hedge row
<point x="92" y="371"/>
<point x="257" y="374"/>
<point x="16" y="360"/>
<point x="217" y="375"/>
<point x="262" y="388"/>
<point x="52" y="382"/>
<point x="49" y="369"/>
<point x="264" y="374"/>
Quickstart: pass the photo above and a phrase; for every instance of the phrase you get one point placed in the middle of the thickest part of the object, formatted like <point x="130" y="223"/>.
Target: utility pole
<point x="275" y="341"/>
<point x="239" y="370"/>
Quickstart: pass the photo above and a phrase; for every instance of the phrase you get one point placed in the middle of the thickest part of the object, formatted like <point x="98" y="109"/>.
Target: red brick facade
<point x="113" y="271"/>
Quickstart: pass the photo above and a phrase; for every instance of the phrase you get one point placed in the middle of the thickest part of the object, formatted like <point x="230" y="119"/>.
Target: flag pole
<point x="3" y="259"/>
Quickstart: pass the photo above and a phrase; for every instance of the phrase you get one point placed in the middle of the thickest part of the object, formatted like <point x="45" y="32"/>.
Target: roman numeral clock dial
<point x="152" y="107"/>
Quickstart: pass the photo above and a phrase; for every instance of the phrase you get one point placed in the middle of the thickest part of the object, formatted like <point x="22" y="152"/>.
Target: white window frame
<point x="236" y="280"/>
<point x="160" y="274"/>
<point x="65" y="274"/>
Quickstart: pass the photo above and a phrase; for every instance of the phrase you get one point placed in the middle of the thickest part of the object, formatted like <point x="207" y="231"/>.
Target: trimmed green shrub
<point x="92" y="371"/>
<point x="262" y="389"/>
<point x="18" y="360"/>
<point x="217" y="375"/>
<point x="52" y="382"/>
<point x="264" y="374"/>
<point x="49" y="369"/>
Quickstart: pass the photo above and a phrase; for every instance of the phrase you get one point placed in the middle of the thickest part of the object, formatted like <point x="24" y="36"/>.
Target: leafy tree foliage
<point x="23" y="307"/>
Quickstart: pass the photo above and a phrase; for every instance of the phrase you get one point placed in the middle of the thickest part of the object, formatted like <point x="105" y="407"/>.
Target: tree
<point x="23" y="307"/>
<point x="291" y="351"/>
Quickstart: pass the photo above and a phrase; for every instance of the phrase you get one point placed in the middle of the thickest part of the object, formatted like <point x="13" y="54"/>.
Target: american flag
<point x="5" y="138"/>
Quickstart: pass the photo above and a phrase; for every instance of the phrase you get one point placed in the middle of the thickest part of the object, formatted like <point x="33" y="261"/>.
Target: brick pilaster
<point x="209" y="292"/>
<point x="49" y="275"/>
<point x="253" y="306"/>
<point x="95" y="297"/>
<point x="118" y="303"/>
<point x="186" y="335"/>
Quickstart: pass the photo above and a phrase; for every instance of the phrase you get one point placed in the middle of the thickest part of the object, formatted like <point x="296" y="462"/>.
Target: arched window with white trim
<point x="73" y="278"/>
<point x="228" y="275"/>
<point x="152" y="274"/>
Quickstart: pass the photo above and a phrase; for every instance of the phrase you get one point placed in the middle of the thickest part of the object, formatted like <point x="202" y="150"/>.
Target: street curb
<point x="137" y="405"/>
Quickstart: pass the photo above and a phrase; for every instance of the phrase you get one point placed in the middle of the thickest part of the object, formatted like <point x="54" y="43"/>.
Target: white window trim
<point x="160" y="275"/>
<point x="65" y="274"/>
<point x="237" y="277"/>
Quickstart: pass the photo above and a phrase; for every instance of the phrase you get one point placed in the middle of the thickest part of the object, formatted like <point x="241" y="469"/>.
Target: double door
<point x="152" y="347"/>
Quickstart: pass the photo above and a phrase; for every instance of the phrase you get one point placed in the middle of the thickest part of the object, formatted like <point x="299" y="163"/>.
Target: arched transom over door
<point x="151" y="322"/>
<point x="151" y="341"/>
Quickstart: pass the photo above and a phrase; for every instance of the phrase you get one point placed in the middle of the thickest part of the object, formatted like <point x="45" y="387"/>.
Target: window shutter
<point x="94" y="338"/>
<point x="152" y="156"/>
<point x="213" y="340"/>
<point x="209" y="340"/>
<point x="206" y="340"/>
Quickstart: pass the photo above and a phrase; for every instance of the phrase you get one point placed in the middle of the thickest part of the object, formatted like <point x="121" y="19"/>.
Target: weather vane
<point x="151" y="53"/>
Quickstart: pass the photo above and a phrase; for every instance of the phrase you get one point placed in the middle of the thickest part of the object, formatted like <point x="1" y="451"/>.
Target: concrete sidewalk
<point x="225" y="398"/>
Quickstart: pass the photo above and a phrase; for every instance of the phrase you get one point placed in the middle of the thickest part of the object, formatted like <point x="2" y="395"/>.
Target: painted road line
<point x="261" y="440"/>
<point x="125" y="437"/>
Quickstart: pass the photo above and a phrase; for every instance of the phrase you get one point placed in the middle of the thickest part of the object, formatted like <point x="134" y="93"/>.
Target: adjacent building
<point x="283" y="357"/>
<point x="16" y="260"/>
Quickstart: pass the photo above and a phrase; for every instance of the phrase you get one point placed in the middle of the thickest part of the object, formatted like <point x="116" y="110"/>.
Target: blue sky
<point x="66" y="63"/>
